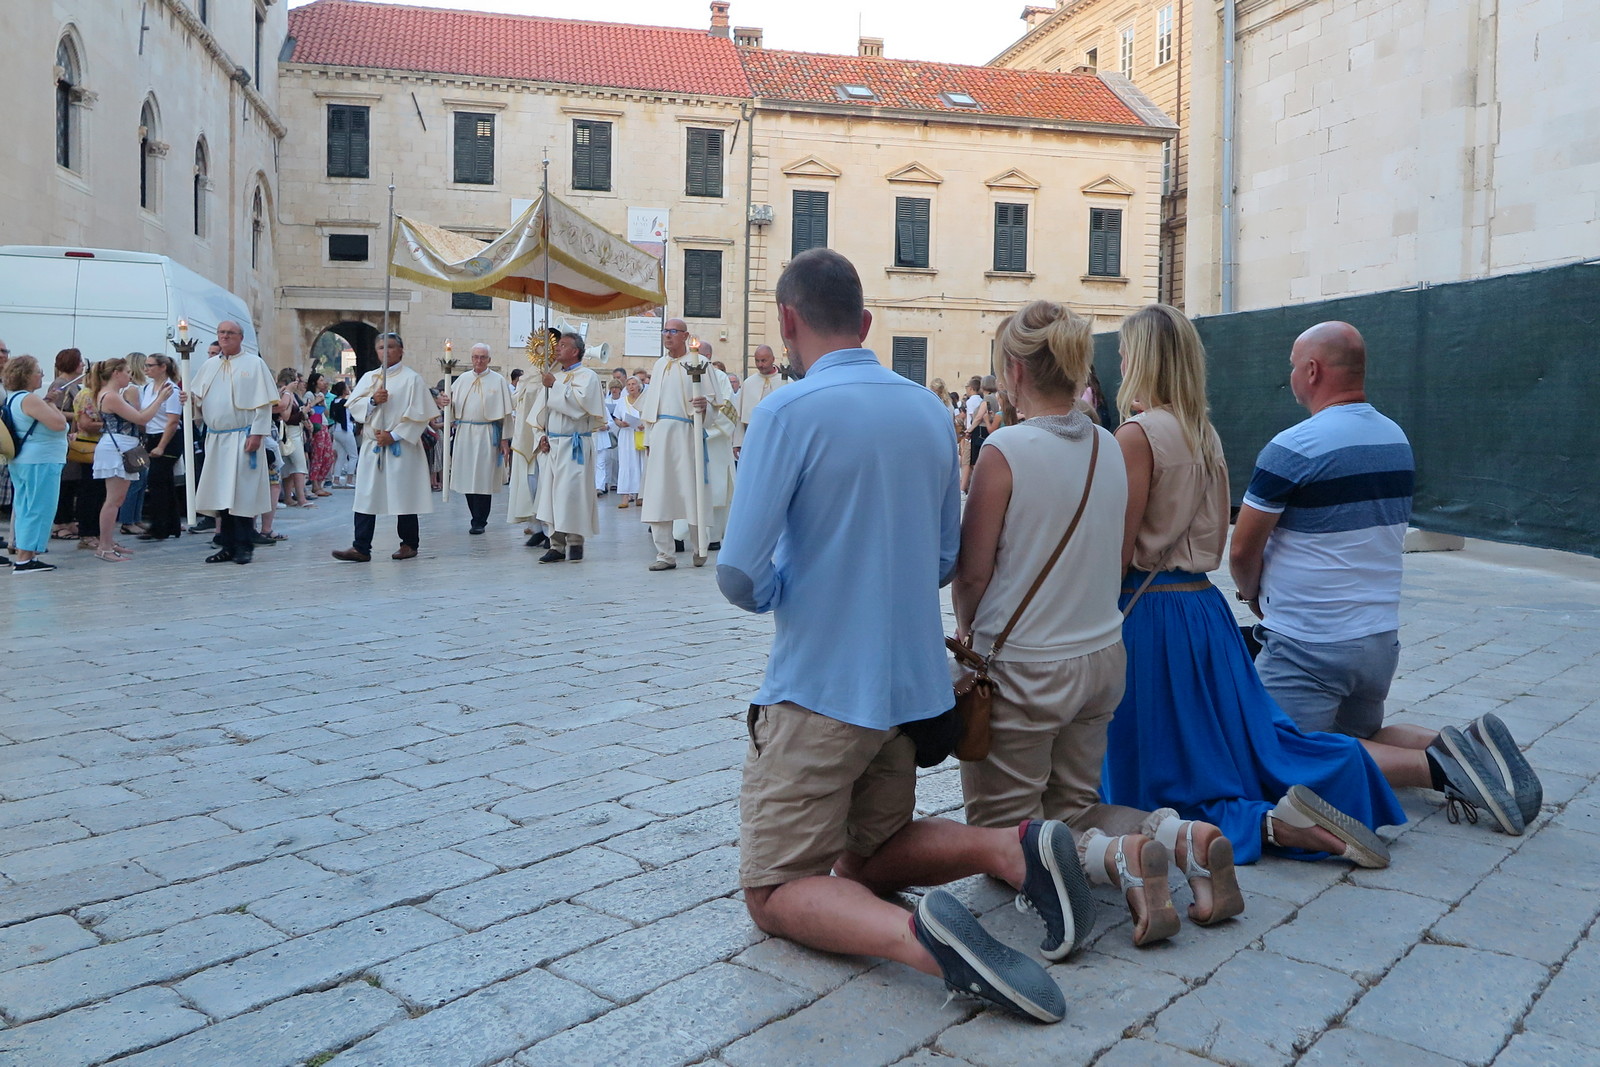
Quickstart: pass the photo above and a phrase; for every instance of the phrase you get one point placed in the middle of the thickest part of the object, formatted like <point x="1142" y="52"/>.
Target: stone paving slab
<point x="123" y="1023"/>
<point x="501" y="829"/>
<point x="283" y="1034"/>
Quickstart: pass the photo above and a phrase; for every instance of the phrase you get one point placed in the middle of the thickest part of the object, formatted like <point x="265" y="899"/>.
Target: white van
<point x="107" y="303"/>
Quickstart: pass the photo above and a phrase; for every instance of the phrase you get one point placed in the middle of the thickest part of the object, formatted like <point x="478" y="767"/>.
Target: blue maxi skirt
<point x="1197" y="731"/>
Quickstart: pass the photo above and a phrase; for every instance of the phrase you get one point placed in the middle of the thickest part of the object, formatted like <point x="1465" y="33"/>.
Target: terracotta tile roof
<point x="916" y="85"/>
<point x="480" y="44"/>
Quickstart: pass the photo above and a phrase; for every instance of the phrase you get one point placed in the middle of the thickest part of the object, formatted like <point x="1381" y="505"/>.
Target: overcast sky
<point x="911" y="29"/>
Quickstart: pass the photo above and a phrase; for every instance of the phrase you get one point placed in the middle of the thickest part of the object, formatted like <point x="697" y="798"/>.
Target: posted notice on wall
<point x="647" y="229"/>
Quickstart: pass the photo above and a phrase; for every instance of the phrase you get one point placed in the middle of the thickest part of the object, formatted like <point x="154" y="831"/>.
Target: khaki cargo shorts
<point x="815" y="788"/>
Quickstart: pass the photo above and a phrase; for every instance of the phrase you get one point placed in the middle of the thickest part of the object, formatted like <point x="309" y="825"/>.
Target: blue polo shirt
<point x="1340" y="483"/>
<point x="845" y="523"/>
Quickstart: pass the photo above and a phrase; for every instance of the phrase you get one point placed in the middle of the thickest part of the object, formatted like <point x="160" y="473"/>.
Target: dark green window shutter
<point x="910" y="231"/>
<point x="591" y="155"/>
<point x="1011" y="237"/>
<point x="705" y="163"/>
<point x="474" y="148"/>
<point x="810" y="220"/>
<point x="1105" y="242"/>
<point x="471" y="302"/>
<point x="347" y="141"/>
<point x="702" y="284"/>
<point x="910" y="359"/>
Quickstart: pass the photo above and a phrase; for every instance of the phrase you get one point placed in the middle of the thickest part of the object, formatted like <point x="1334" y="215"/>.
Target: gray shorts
<point x="1334" y="686"/>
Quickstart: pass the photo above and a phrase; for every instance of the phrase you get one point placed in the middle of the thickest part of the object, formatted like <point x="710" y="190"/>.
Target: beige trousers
<point x="1049" y="738"/>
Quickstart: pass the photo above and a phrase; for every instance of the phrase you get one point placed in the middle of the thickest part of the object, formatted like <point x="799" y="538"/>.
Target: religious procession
<point x="995" y="477"/>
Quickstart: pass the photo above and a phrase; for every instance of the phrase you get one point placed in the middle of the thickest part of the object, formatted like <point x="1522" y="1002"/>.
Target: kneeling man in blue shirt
<point x="844" y="525"/>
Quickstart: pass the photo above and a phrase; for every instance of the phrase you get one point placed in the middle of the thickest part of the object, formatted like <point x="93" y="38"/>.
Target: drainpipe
<point x="1229" y="224"/>
<point x="748" y="113"/>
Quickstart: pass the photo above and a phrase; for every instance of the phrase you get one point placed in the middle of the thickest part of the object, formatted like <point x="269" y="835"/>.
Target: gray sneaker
<point x="1472" y="781"/>
<point x="1516" y="774"/>
<point x="1055" y="887"/>
<point x="973" y="962"/>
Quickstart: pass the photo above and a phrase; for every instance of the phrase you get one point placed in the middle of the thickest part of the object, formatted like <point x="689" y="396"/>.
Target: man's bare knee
<point x="755" y="902"/>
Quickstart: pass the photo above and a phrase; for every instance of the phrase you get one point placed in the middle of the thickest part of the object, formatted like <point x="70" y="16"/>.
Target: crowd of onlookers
<point x="100" y="457"/>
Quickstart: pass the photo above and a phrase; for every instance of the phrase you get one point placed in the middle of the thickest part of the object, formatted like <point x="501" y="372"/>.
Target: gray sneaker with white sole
<point x="975" y="963"/>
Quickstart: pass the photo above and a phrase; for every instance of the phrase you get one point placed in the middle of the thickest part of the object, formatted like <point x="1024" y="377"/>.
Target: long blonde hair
<point x="1165" y="367"/>
<point x="1054" y="342"/>
<point x="100" y="375"/>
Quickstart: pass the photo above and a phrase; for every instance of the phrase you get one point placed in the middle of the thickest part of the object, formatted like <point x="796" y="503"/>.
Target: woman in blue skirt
<point x="1196" y="731"/>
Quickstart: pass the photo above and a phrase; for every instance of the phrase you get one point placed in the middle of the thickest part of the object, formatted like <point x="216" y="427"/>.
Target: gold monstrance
<point x="541" y="351"/>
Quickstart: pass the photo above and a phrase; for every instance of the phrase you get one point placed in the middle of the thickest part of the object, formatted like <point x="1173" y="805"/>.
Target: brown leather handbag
<point x="974" y="689"/>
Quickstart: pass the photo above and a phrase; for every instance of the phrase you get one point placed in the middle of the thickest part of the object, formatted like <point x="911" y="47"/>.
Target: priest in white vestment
<point x="481" y="406"/>
<point x="756" y="388"/>
<point x="630" y="442"/>
<point x="677" y="461"/>
<point x="566" y="416"/>
<point x="234" y="393"/>
<point x="392" y="478"/>
<point x="721" y="426"/>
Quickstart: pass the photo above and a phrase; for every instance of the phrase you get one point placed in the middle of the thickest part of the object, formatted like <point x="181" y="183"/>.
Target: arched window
<point x="258" y="224"/>
<point x="69" y="82"/>
<point x="202" y="186"/>
<point x="150" y="152"/>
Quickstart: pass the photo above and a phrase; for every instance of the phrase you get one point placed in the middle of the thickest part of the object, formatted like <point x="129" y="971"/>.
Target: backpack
<point x="10" y="445"/>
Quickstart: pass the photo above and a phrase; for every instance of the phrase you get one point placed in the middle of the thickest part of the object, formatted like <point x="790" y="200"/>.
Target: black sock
<point x="1435" y="770"/>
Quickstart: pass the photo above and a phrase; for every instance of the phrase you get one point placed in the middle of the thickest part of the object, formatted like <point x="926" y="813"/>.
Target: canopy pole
<point x="544" y="234"/>
<point x="388" y="286"/>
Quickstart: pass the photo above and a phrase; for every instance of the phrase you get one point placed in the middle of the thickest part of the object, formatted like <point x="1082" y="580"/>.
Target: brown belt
<point x="1174" y="587"/>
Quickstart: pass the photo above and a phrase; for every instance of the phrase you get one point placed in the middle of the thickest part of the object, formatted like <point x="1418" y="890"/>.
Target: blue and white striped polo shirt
<point x="1341" y="484"/>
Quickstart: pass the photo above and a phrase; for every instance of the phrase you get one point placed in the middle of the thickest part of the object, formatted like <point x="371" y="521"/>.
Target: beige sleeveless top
<point x="1175" y="511"/>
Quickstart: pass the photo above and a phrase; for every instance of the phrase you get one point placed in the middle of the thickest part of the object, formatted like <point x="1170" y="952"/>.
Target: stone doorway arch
<point x="355" y="330"/>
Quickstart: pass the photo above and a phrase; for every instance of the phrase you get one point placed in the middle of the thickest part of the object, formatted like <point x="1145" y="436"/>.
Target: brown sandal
<point x="1147" y="893"/>
<point x="1216" y="870"/>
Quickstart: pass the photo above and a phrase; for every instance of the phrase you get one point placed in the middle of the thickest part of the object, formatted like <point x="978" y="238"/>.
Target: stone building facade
<point x="1150" y="43"/>
<point x="460" y="109"/>
<point x="960" y="193"/>
<point x="718" y="135"/>
<point x="150" y="127"/>
<point x="1384" y="144"/>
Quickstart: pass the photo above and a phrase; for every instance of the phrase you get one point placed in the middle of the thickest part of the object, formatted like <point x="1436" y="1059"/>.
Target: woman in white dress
<point x="630" y="444"/>
<point x="290" y="410"/>
<point x="124" y="424"/>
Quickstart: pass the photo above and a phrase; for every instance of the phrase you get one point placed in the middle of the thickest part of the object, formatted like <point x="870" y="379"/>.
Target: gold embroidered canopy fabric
<point x="593" y="272"/>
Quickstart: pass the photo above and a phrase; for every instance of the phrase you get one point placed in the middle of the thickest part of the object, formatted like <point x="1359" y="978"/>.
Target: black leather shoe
<point x="205" y="525"/>
<point x="538" y="540"/>
<point x="574" y="553"/>
<point x="555" y="555"/>
<point x="715" y="546"/>
<point x="220" y="557"/>
<point x="475" y="530"/>
<point x="242" y="558"/>
<point x="677" y="546"/>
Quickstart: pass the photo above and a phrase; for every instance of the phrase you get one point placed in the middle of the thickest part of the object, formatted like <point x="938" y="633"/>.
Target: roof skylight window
<point x="960" y="99"/>
<point x="856" y="92"/>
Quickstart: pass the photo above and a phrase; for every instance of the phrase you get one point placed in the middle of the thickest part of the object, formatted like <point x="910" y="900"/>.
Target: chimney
<point x="747" y="36"/>
<point x="870" y="48"/>
<point x="719" y="18"/>
<point x="1035" y="15"/>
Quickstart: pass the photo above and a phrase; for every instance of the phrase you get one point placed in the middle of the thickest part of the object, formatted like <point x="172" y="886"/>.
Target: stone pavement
<point x="469" y="810"/>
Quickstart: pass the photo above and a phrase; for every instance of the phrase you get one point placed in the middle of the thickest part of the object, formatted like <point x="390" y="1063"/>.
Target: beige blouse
<point x="1174" y="510"/>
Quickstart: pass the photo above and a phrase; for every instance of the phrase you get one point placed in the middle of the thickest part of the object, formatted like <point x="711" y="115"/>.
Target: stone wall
<point x="190" y="72"/>
<point x="1389" y="143"/>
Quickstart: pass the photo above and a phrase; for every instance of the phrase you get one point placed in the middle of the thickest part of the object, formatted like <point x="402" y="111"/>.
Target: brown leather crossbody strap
<point x="1088" y="483"/>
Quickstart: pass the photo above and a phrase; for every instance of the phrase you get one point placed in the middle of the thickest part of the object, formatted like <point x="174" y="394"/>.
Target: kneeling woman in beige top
<point x="1060" y="673"/>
